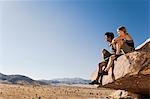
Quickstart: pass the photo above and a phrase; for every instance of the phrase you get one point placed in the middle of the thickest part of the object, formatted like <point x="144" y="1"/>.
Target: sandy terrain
<point x="10" y="91"/>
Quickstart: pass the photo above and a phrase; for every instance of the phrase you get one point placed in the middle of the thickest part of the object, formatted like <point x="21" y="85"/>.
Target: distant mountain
<point x="19" y="79"/>
<point x="24" y="80"/>
<point x="67" y="81"/>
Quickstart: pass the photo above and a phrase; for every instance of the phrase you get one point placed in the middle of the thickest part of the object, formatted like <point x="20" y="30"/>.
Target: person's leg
<point x="110" y="63"/>
<point x="105" y="54"/>
<point x="113" y="76"/>
<point x="101" y="80"/>
<point x="100" y="66"/>
<point x="118" y="46"/>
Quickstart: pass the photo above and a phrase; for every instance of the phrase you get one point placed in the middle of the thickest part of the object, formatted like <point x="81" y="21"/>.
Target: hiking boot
<point x="99" y="86"/>
<point x="94" y="82"/>
<point x="104" y="72"/>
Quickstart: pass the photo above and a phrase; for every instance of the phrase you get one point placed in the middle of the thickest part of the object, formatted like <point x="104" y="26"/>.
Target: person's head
<point x="122" y="30"/>
<point x="109" y="36"/>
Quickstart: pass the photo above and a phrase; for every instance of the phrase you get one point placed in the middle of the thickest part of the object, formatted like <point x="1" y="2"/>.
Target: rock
<point x="122" y="94"/>
<point x="131" y="71"/>
<point x="144" y="46"/>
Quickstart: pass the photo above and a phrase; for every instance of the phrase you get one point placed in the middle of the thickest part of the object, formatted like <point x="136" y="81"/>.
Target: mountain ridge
<point x="21" y="79"/>
<point x="75" y="80"/>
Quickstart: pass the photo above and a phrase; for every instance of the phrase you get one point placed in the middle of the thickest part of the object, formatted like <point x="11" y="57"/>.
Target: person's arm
<point x="120" y="38"/>
<point x="115" y="40"/>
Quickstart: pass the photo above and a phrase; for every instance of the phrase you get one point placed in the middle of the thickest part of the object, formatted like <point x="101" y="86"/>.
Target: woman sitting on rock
<point x="124" y="43"/>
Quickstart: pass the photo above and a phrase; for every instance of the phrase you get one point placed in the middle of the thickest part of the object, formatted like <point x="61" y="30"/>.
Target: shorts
<point x="126" y="47"/>
<point x="107" y="54"/>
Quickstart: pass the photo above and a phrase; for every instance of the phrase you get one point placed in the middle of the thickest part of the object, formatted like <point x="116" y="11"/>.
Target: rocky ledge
<point x="131" y="71"/>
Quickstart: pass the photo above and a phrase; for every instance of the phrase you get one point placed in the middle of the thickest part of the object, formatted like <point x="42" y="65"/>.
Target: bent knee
<point x="112" y="57"/>
<point x="119" y="42"/>
<point x="100" y="65"/>
<point x="104" y="51"/>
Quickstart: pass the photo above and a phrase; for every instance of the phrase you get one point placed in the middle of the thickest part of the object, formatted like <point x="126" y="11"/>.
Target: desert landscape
<point x="133" y="78"/>
<point x="14" y="91"/>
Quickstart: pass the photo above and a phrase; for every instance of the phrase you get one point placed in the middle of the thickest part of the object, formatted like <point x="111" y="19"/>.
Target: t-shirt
<point x="113" y="50"/>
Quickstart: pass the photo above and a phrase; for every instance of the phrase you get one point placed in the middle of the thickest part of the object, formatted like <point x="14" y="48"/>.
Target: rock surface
<point x="131" y="71"/>
<point x="122" y="94"/>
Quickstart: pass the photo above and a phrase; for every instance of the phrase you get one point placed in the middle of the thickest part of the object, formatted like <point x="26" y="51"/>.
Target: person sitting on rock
<point x="123" y="43"/>
<point x="109" y="36"/>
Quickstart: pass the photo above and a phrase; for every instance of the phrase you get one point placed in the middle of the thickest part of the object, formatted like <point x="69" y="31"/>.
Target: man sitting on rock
<point x="109" y="36"/>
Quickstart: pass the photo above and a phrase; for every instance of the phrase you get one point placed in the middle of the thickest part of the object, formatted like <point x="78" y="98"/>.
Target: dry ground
<point x="10" y="91"/>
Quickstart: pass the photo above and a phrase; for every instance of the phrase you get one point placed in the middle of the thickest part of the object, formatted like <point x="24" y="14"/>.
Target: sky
<point x="47" y="39"/>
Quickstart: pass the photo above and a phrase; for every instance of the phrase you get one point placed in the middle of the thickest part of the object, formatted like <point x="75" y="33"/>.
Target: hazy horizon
<point x="63" y="39"/>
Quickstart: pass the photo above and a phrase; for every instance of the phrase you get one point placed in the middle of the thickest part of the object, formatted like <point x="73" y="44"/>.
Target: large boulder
<point x="131" y="71"/>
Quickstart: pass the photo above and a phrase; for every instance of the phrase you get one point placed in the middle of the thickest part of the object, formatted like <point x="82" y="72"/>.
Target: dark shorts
<point x="107" y="54"/>
<point x="127" y="47"/>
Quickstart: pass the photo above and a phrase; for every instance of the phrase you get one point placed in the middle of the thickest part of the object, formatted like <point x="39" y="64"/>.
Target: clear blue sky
<point x="64" y="38"/>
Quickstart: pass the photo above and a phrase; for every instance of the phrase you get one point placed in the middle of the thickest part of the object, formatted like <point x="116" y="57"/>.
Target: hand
<point x="113" y="41"/>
